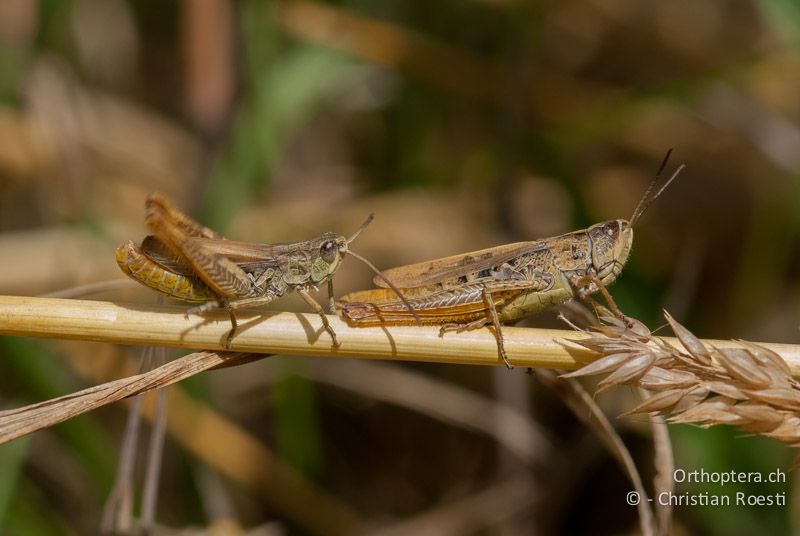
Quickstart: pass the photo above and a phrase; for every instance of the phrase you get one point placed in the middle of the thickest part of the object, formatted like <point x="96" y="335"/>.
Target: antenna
<point x="647" y="200"/>
<point x="378" y="272"/>
<point x="361" y="227"/>
<point x="391" y="285"/>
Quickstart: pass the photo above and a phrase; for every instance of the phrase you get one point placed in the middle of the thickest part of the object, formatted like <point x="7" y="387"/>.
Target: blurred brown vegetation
<point x="461" y="125"/>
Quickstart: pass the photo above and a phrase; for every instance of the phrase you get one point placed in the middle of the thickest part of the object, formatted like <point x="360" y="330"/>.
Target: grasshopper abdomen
<point x="140" y="267"/>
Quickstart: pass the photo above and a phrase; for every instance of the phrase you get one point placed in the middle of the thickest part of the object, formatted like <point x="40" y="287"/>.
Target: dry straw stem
<point x="18" y="422"/>
<point x="202" y="431"/>
<point x="298" y="334"/>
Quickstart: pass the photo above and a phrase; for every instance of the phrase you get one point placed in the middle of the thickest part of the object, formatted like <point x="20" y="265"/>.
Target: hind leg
<point x="491" y="318"/>
<point x="230" y="306"/>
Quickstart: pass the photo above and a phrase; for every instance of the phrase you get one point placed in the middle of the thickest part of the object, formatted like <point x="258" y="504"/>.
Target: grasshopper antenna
<point x="647" y="200"/>
<point x="378" y="272"/>
<point x="362" y="227"/>
<point x="391" y="285"/>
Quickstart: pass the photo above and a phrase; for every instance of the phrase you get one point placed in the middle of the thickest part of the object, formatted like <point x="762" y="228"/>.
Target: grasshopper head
<point x="611" y="245"/>
<point x="327" y="255"/>
<point x="328" y="251"/>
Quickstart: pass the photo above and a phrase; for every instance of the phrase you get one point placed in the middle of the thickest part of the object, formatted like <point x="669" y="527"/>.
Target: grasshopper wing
<point x="158" y="252"/>
<point x="157" y="202"/>
<point x="435" y="271"/>
<point x="248" y="256"/>
<point x="221" y="274"/>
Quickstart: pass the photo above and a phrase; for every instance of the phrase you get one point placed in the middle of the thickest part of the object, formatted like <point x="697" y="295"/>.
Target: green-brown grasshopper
<point x="188" y="261"/>
<point x="502" y="284"/>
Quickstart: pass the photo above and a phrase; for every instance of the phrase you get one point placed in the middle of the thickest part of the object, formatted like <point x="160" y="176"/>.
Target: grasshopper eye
<point x="611" y="229"/>
<point x="328" y="250"/>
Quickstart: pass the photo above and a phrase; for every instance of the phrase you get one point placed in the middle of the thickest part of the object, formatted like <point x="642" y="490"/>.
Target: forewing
<point x="435" y="271"/>
<point x="157" y="202"/>
<point x="245" y="251"/>
<point x="221" y="274"/>
<point x="247" y="255"/>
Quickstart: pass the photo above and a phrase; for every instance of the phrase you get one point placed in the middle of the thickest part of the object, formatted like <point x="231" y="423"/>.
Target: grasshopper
<point x="502" y="284"/>
<point x="188" y="261"/>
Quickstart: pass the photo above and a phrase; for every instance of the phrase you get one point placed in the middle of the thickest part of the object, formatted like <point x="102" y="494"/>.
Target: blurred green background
<point x="462" y="125"/>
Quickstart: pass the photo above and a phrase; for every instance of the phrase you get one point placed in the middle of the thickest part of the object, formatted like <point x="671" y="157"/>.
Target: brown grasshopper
<point x="505" y="283"/>
<point x="188" y="261"/>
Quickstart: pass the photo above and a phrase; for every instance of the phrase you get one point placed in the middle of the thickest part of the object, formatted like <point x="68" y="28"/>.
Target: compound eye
<point x="611" y="229"/>
<point x="328" y="251"/>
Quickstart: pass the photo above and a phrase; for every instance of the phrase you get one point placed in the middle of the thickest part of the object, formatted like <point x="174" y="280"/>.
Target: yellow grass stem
<point x="298" y="334"/>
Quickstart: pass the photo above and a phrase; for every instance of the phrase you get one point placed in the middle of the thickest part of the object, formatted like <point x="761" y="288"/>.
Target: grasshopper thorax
<point x="610" y="245"/>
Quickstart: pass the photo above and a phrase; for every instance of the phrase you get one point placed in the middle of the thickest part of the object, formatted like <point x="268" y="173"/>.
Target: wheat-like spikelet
<point x="750" y="387"/>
